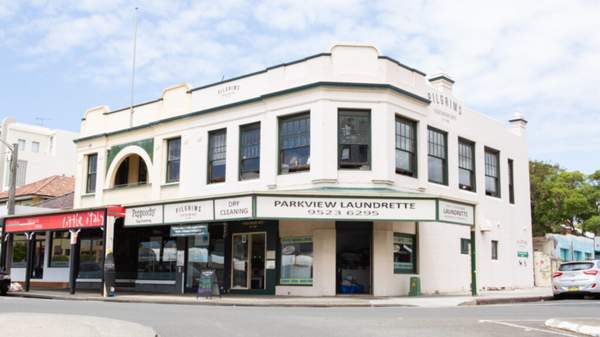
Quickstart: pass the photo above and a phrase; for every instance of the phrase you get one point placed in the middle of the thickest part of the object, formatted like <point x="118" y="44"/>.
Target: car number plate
<point x="573" y="288"/>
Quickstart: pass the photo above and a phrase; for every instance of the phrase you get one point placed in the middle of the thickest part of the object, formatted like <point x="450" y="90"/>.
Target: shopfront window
<point x="354" y="138"/>
<point x="217" y="149"/>
<point x="437" y="156"/>
<point x="91" y="248"/>
<point x="60" y="250"/>
<point x="157" y="258"/>
<point x="250" y="151"/>
<point x="406" y="147"/>
<point x="39" y="250"/>
<point x="294" y="143"/>
<point x="19" y="253"/>
<point x="197" y="258"/>
<point x="296" y="261"/>
<point x="404" y="254"/>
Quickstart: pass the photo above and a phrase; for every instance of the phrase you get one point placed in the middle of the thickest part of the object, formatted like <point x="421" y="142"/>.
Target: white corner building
<point x="43" y="152"/>
<point x="345" y="172"/>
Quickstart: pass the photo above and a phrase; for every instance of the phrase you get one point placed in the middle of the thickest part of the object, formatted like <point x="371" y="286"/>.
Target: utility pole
<point x="10" y="203"/>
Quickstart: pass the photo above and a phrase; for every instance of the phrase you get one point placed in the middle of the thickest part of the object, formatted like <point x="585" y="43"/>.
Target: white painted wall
<point x="495" y="217"/>
<point x="56" y="154"/>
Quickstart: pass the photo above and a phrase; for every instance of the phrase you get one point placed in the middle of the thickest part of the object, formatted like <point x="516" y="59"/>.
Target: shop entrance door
<point x="354" y="257"/>
<point x="248" y="260"/>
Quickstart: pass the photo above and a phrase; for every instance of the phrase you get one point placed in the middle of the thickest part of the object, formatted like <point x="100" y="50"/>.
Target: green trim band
<point x="263" y="97"/>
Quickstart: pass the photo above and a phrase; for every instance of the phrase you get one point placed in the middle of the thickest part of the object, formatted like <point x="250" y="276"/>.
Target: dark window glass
<point x="294" y="143"/>
<point x="492" y="173"/>
<point x="577" y="266"/>
<point x="511" y="182"/>
<point x="217" y="149"/>
<point x="354" y="137"/>
<point x="122" y="177"/>
<point x="157" y="257"/>
<point x="250" y="151"/>
<point x="494" y="250"/>
<point x="173" y="159"/>
<point x="466" y="165"/>
<point x="406" y="147"/>
<point x="437" y="152"/>
<point x="60" y="249"/>
<point x="142" y="171"/>
<point x="465" y="245"/>
<point x="92" y="165"/>
<point x="91" y="248"/>
<point x="405" y="256"/>
<point x="19" y="253"/>
<point x="39" y="251"/>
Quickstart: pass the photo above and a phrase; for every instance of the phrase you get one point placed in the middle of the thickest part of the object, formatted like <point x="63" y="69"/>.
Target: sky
<point x="540" y="58"/>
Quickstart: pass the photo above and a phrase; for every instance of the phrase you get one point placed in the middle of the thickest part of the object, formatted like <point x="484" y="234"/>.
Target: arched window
<point x="132" y="171"/>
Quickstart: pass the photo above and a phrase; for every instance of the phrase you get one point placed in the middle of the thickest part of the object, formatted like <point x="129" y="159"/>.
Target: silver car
<point x="579" y="277"/>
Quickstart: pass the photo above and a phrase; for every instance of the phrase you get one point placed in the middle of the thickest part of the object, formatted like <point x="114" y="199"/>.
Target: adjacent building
<point x="43" y="152"/>
<point x="345" y="172"/>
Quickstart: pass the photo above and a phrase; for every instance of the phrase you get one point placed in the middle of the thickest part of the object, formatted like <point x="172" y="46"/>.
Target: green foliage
<point x="561" y="197"/>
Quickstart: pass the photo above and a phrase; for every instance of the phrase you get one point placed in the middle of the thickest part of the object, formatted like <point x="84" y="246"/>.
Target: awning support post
<point x="29" y="260"/>
<point x="72" y="260"/>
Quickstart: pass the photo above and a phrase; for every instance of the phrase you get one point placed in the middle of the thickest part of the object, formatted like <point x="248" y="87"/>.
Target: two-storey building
<point x="344" y="172"/>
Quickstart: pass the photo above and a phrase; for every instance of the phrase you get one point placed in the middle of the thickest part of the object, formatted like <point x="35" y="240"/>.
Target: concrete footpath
<point x="59" y="325"/>
<point x="449" y="300"/>
<point x="589" y="327"/>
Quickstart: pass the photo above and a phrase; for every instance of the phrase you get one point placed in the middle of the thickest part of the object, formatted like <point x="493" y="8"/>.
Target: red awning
<point x="84" y="219"/>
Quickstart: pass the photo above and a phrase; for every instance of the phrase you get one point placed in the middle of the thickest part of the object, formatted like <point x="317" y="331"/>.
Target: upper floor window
<point x="250" y="151"/>
<point x="354" y="138"/>
<point x="406" y="147"/>
<point x="35" y="147"/>
<point x="494" y="250"/>
<point x="217" y="149"/>
<point x="466" y="165"/>
<point x="21" y="172"/>
<point x="437" y="156"/>
<point x="92" y="164"/>
<point x="492" y="173"/>
<point x="511" y="182"/>
<point x="21" y="143"/>
<point x="173" y="160"/>
<point x="294" y="143"/>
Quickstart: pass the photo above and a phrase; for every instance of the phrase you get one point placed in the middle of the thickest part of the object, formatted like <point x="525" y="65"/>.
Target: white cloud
<point x="539" y="58"/>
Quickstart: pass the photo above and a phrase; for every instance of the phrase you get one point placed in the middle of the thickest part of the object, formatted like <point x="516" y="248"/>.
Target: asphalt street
<point x="525" y="319"/>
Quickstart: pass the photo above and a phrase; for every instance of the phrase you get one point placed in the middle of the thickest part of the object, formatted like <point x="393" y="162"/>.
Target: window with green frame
<point x="406" y="147"/>
<point x="465" y="246"/>
<point x="296" y="260"/>
<point x="405" y="253"/>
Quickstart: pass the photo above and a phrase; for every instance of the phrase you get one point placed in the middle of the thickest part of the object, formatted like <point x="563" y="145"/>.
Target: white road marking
<point x="526" y="328"/>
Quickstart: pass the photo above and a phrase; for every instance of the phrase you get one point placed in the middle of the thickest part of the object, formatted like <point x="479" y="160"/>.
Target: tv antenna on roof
<point x="133" y="68"/>
<point x="41" y="120"/>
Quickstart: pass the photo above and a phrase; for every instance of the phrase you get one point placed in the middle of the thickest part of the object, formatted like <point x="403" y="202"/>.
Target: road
<point x="526" y="319"/>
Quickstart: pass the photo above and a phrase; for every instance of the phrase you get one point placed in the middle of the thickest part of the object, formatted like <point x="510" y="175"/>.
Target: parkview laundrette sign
<point x="86" y="219"/>
<point x="345" y="208"/>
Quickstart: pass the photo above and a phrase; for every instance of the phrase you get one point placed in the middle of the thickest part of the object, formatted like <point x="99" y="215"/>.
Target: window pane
<point x="250" y="151"/>
<point x="354" y="135"/>
<point x="156" y="258"/>
<point x="60" y="249"/>
<point x="404" y="162"/>
<point x="173" y="159"/>
<point x="91" y="177"/>
<point x="405" y="147"/>
<point x="296" y="260"/>
<point x="90" y="256"/>
<point x="217" y="147"/>
<point x="404" y="253"/>
<point x="19" y="251"/>
<point x="465" y="179"/>
<point x="436" y="170"/>
<point x="294" y="143"/>
<point x="492" y="173"/>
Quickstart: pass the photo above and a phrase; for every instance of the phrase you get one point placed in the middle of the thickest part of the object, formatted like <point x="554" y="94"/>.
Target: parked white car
<point x="578" y="277"/>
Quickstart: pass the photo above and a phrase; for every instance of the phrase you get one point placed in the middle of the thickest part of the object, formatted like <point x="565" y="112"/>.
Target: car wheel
<point x="3" y="290"/>
<point x="558" y="296"/>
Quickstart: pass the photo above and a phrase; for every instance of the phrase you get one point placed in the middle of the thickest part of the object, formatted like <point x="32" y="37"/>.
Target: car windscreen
<point x="576" y="266"/>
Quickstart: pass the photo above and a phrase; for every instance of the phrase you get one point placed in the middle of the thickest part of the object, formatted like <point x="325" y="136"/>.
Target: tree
<point x="563" y="198"/>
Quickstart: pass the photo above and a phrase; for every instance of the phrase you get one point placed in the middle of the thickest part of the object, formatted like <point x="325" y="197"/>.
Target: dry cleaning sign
<point x="345" y="208"/>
